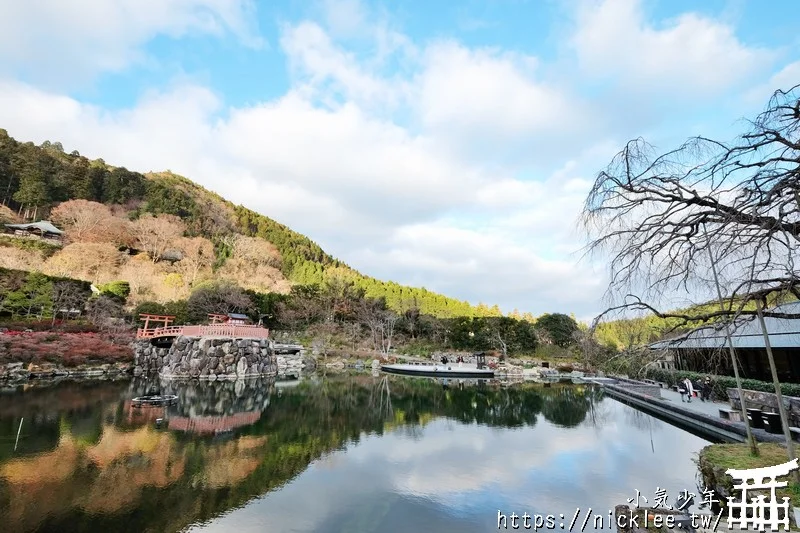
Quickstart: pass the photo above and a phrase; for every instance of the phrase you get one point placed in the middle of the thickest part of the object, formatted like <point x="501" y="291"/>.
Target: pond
<point x="350" y="453"/>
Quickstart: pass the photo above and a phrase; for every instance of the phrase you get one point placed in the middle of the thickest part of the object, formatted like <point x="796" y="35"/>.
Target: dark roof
<point x="237" y="315"/>
<point x="783" y="333"/>
<point x="43" y="225"/>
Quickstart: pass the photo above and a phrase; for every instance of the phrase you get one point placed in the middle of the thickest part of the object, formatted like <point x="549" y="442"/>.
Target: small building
<point x="706" y="349"/>
<point x="237" y="319"/>
<point x="44" y="229"/>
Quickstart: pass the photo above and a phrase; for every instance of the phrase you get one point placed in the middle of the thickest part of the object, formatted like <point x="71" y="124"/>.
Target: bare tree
<point x="323" y="337"/>
<point x="705" y="214"/>
<point x="499" y="342"/>
<point x="380" y="321"/>
<point x="197" y="255"/>
<point x="410" y="315"/>
<point x="106" y="314"/>
<point x="67" y="296"/>
<point x="388" y="322"/>
<point x="87" y="260"/>
<point x="369" y="314"/>
<point x="255" y="251"/>
<point x="221" y="297"/>
<point x="81" y="219"/>
<point x="157" y="234"/>
<point x="86" y="221"/>
<point x="663" y="218"/>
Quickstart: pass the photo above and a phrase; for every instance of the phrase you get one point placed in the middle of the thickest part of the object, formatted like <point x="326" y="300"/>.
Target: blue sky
<point x="437" y="143"/>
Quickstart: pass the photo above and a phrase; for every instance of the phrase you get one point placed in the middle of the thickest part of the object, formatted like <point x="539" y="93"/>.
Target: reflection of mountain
<point x="110" y="466"/>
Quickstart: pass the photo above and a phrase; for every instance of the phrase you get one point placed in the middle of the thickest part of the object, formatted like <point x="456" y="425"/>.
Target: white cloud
<point x="414" y="176"/>
<point x="326" y="68"/>
<point x="489" y="103"/>
<point x="63" y="41"/>
<point x="692" y="55"/>
<point x="786" y="78"/>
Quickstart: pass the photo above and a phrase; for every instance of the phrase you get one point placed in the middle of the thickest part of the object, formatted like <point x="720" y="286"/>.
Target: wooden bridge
<point x="235" y="331"/>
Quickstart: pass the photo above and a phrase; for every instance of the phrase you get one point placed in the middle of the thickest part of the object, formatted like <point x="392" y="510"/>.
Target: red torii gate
<point x="162" y="320"/>
<point x="216" y="318"/>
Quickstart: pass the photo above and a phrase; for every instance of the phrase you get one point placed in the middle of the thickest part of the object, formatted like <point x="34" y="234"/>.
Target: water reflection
<point x="364" y="449"/>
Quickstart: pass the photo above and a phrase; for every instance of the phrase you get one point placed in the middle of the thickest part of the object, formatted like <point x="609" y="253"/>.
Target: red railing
<point x="210" y="330"/>
<point x="213" y="424"/>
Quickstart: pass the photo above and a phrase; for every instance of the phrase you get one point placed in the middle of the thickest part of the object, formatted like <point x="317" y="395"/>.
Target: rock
<point x="241" y="367"/>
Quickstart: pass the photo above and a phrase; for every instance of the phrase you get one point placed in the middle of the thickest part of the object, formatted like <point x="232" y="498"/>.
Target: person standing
<point x="705" y="389"/>
<point x="689" y="388"/>
<point x="682" y="390"/>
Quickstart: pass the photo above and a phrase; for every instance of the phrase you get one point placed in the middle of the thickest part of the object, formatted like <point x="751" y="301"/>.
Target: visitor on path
<point x="682" y="390"/>
<point x="689" y="389"/>
<point x="705" y="390"/>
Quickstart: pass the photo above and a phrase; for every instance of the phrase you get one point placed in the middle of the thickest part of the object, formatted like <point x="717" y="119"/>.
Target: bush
<point x="551" y="351"/>
<point x="116" y="289"/>
<point x="721" y="383"/>
<point x="29" y="245"/>
<point x="68" y="349"/>
<point x="46" y="325"/>
<point x="565" y="369"/>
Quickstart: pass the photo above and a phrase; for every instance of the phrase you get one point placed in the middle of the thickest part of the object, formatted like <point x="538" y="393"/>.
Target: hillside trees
<point x="197" y="256"/>
<point x="218" y="297"/>
<point x="41" y="177"/>
<point x="157" y="234"/>
<point x="559" y="328"/>
<point x="87" y="221"/>
<point x="90" y="261"/>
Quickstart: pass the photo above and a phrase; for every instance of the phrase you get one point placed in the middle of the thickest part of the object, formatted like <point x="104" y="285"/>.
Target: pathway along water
<point x="349" y="453"/>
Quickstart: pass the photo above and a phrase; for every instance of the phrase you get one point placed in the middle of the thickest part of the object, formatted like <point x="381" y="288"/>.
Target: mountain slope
<point x="38" y="182"/>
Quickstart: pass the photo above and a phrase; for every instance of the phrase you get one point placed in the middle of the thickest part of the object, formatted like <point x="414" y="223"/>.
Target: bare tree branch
<point x="664" y="218"/>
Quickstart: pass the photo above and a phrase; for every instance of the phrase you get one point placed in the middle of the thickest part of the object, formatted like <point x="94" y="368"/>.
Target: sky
<point x="448" y="145"/>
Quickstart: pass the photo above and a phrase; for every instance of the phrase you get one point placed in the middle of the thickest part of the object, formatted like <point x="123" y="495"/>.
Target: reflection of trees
<point x="122" y="472"/>
<point x="567" y="406"/>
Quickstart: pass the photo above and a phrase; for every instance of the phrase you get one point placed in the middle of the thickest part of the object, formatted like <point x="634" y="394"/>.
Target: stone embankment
<point x="206" y="358"/>
<point x="290" y="364"/>
<point x="20" y="373"/>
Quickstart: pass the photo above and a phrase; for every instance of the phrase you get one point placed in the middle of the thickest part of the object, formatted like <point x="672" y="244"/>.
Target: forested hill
<point x="106" y="209"/>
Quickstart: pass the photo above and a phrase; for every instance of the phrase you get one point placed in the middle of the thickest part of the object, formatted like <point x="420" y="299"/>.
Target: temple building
<point x="705" y="349"/>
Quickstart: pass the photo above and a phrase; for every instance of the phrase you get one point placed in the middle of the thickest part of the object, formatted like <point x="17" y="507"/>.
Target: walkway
<point x="702" y="416"/>
<point x="707" y="408"/>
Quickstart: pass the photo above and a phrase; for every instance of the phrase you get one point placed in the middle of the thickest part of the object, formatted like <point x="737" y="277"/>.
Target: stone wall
<point x="767" y="402"/>
<point x="640" y="387"/>
<point x="206" y="358"/>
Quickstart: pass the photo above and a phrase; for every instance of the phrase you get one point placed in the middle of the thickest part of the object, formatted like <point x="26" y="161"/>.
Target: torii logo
<point x="759" y="512"/>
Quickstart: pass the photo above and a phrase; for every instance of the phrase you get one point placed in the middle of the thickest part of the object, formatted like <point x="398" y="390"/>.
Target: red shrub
<point x="69" y="349"/>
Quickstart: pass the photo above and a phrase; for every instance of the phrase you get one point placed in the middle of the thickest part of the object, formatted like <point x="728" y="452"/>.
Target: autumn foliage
<point x="66" y="349"/>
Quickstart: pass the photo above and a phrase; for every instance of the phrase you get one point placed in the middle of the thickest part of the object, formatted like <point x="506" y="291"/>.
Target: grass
<point x="31" y="245"/>
<point x="737" y="456"/>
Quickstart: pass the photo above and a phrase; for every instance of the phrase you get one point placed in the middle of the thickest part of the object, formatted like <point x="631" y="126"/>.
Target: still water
<point x="349" y="454"/>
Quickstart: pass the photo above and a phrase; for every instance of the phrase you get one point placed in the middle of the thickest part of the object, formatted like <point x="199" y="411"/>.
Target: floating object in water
<point x="439" y="370"/>
<point x="153" y="400"/>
